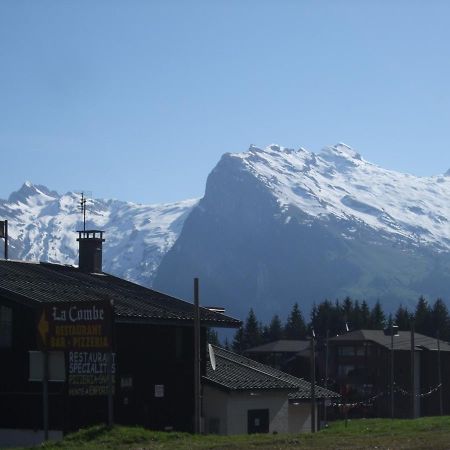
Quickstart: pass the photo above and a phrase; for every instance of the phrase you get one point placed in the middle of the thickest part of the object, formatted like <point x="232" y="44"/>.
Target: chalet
<point x="241" y="395"/>
<point x="360" y="365"/>
<point x="153" y="347"/>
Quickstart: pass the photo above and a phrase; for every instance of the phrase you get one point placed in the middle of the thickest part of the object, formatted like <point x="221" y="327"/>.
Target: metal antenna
<point x="83" y="209"/>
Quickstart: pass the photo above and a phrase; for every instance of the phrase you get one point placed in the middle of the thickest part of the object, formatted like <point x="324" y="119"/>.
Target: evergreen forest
<point x="431" y="319"/>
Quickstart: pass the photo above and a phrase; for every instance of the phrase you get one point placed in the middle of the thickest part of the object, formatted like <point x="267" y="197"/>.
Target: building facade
<point x="242" y="396"/>
<point x="153" y="350"/>
<point x="363" y="363"/>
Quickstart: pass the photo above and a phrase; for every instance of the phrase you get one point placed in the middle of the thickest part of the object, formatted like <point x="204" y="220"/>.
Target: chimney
<point x="392" y="330"/>
<point x="90" y="249"/>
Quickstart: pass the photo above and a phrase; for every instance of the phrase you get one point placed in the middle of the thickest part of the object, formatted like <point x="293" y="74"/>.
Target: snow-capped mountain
<point x="278" y="225"/>
<point x="275" y="226"/>
<point x="339" y="183"/>
<point x="42" y="227"/>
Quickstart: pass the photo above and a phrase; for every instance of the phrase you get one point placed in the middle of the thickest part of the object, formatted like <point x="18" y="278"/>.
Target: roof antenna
<point x="83" y="209"/>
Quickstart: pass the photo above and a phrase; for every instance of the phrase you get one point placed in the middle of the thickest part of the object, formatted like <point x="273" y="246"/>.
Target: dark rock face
<point x="248" y="252"/>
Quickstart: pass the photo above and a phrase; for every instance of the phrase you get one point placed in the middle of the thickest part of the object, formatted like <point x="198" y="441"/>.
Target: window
<point x="5" y="327"/>
<point x="345" y="369"/>
<point x="346" y="351"/>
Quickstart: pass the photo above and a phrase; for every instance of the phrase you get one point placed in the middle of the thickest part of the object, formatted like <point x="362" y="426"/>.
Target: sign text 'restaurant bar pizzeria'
<point x="75" y="326"/>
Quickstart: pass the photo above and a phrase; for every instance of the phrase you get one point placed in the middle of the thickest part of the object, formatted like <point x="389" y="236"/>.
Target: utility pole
<point x="197" y="381"/>
<point x="109" y="369"/>
<point x="326" y="376"/>
<point x="4" y="235"/>
<point x="45" y="394"/>
<point x="392" y="371"/>
<point x="313" y="383"/>
<point x="413" y="373"/>
<point x="439" y="374"/>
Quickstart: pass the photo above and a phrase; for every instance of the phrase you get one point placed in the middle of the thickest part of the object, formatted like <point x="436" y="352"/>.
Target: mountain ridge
<point x="293" y="225"/>
<point x="43" y="224"/>
<point x="275" y="226"/>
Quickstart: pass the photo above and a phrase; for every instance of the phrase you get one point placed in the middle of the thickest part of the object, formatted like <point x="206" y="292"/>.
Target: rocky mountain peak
<point x="29" y="190"/>
<point x="340" y="151"/>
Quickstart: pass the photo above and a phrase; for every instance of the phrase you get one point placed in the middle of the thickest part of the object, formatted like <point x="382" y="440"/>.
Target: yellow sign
<point x="75" y="326"/>
<point x="43" y="327"/>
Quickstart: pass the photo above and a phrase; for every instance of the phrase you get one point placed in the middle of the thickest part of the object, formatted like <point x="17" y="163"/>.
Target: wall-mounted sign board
<point x="78" y="326"/>
<point x="159" y="390"/>
<point x="88" y="373"/>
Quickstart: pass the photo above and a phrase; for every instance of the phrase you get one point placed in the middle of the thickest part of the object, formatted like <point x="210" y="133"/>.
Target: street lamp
<point x="394" y="332"/>
<point x="313" y="382"/>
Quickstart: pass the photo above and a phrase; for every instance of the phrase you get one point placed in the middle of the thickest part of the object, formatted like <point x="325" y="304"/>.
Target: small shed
<point x="244" y="396"/>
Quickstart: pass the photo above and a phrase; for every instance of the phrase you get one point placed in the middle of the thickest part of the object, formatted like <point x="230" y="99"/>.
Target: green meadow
<point x="425" y="433"/>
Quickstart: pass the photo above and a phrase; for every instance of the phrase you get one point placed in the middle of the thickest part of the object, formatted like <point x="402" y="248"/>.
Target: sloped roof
<point x="34" y="283"/>
<point x="238" y="373"/>
<point x="281" y="346"/>
<point x="401" y="342"/>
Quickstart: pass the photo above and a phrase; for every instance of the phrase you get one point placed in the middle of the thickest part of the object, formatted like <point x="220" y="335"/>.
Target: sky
<point x="138" y="100"/>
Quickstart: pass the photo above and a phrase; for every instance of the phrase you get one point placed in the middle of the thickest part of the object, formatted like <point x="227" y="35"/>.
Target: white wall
<point x="215" y="404"/>
<point x="240" y="402"/>
<point x="231" y="409"/>
<point x="300" y="417"/>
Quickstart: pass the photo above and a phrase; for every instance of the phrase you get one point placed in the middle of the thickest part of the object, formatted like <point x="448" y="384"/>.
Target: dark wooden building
<point x="360" y="369"/>
<point x="289" y="355"/>
<point x="153" y="344"/>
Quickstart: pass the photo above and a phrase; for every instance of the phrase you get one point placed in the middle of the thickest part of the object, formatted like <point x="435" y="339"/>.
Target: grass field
<point x="426" y="433"/>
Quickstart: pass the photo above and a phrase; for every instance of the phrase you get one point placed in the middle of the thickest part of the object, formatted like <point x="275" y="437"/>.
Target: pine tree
<point x="322" y="318"/>
<point x="275" y="329"/>
<point x="238" y="341"/>
<point x="295" y="327"/>
<point x="339" y="319"/>
<point x="252" y="334"/>
<point x="265" y="338"/>
<point x="356" y="317"/>
<point x="440" y="319"/>
<point x="403" y="318"/>
<point x="423" y="318"/>
<point x="377" y="317"/>
<point x="212" y="337"/>
<point x="347" y="310"/>
<point x="365" y="315"/>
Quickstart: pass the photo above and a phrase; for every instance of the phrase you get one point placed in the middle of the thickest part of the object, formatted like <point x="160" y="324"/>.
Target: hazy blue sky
<point x="137" y="100"/>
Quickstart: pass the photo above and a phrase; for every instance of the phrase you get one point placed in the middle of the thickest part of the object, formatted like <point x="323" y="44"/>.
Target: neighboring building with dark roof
<point x="360" y="366"/>
<point x="281" y="346"/>
<point x="289" y="355"/>
<point x="153" y="344"/>
<point x="244" y="396"/>
<point x="402" y="341"/>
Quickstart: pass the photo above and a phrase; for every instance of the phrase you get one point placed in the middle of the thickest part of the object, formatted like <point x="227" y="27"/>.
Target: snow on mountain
<point x="339" y="182"/>
<point x="275" y="226"/>
<point x="42" y="226"/>
<point x="278" y="225"/>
